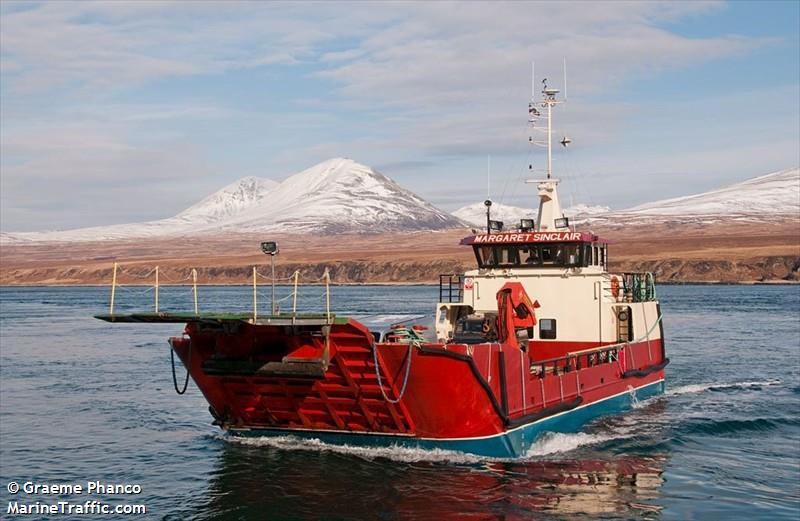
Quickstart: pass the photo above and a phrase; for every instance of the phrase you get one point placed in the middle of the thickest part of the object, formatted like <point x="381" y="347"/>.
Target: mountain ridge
<point x="335" y="196"/>
<point x="342" y="196"/>
<point x="764" y="198"/>
<point x="230" y="200"/>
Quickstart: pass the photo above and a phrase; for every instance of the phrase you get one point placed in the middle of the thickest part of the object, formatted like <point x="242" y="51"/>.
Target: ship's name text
<point x="526" y="237"/>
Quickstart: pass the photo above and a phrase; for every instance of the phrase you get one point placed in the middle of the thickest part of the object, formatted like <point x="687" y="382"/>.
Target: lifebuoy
<point x="615" y="286"/>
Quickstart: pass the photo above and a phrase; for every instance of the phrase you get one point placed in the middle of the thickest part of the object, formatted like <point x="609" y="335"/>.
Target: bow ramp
<point x="312" y="371"/>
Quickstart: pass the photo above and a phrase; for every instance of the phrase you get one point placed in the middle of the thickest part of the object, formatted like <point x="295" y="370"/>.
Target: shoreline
<point x="388" y="284"/>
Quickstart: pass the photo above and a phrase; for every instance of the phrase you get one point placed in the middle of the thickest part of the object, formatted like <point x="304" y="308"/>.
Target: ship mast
<point x="550" y="215"/>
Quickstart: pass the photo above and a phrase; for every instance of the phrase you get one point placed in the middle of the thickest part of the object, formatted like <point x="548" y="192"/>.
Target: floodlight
<point x="496" y="225"/>
<point x="269" y="248"/>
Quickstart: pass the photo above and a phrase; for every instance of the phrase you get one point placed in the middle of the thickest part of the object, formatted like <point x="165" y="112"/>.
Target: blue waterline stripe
<point x="507" y="444"/>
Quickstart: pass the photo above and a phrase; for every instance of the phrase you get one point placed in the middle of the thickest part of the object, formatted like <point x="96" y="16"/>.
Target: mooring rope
<point x="188" y="364"/>
<point x="180" y="281"/>
<point x="405" y="378"/>
<point x="127" y="271"/>
<point x="269" y="277"/>
<point x="137" y="290"/>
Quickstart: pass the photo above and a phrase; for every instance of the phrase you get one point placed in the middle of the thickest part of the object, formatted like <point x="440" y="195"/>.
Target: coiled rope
<point x="405" y="378"/>
<point x="188" y="364"/>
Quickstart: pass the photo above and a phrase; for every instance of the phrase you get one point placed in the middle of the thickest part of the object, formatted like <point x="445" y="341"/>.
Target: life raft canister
<point x="615" y="286"/>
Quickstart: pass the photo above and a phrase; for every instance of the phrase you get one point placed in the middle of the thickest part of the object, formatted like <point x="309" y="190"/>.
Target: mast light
<point x="269" y="247"/>
<point x="496" y="225"/>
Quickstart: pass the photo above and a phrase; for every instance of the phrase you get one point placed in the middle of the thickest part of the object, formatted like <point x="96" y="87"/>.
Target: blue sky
<point x="129" y="111"/>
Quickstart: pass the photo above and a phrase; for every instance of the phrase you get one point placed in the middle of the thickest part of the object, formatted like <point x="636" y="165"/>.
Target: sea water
<point x="83" y="401"/>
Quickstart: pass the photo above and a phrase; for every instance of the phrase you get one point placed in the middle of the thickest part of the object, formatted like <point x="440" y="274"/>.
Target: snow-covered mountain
<point x="475" y="214"/>
<point x="338" y="195"/>
<point x="769" y="197"/>
<point x="229" y="201"/>
<point x="776" y="193"/>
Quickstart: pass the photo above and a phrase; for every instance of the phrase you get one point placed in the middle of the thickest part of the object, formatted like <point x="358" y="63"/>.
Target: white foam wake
<point x="392" y="452"/>
<point x="557" y="442"/>
<point x="699" y="388"/>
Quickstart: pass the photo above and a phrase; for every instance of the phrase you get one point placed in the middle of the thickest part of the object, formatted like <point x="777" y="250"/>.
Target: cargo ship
<point x="539" y="337"/>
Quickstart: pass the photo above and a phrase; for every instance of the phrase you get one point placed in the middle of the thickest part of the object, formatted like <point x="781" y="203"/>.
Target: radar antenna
<point x="550" y="214"/>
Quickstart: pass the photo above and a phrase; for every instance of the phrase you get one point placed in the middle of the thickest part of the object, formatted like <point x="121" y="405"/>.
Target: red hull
<point x="279" y="377"/>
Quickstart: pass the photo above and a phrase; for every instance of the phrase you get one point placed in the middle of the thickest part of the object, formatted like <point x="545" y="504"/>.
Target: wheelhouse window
<point x="557" y="254"/>
<point x="587" y="255"/>
<point x="485" y="256"/>
<point x="572" y="255"/>
<point x="547" y="328"/>
<point x="529" y="256"/>
<point x="506" y="256"/>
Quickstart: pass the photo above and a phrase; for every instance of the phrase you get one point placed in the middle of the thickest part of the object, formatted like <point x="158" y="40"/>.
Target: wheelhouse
<point x="538" y="250"/>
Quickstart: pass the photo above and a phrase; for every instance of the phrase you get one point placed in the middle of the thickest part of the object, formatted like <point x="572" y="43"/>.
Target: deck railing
<point x="590" y="357"/>
<point x="633" y="286"/>
<point x="157" y="276"/>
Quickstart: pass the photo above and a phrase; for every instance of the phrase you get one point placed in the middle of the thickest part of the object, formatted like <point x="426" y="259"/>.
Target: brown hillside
<point x="718" y="253"/>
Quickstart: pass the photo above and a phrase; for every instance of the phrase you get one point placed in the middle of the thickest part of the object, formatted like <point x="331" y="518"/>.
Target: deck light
<point x="496" y="225"/>
<point x="563" y="222"/>
<point x="526" y="225"/>
<point x="271" y="248"/>
<point x="488" y="204"/>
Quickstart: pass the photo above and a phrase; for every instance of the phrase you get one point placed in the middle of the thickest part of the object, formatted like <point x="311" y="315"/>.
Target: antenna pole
<point x="549" y="140"/>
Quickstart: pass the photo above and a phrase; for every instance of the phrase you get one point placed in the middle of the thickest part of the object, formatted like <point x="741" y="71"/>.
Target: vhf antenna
<point x="548" y="102"/>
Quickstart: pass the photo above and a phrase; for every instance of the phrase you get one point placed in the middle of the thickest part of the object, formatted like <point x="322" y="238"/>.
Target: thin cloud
<point x="406" y="85"/>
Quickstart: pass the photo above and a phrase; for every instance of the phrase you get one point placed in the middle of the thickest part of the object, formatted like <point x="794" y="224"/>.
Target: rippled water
<point x="85" y="400"/>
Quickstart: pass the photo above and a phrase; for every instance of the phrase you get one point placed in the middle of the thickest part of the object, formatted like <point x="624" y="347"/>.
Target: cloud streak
<point x="98" y="96"/>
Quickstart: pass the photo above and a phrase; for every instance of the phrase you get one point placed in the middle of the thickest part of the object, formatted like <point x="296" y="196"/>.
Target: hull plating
<point x="513" y="443"/>
<point x="488" y="399"/>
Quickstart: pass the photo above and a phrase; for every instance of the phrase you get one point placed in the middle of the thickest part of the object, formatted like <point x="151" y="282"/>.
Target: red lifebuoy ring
<point x="615" y="286"/>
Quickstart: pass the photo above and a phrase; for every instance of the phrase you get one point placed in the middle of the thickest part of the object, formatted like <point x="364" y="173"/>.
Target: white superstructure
<point x="580" y="304"/>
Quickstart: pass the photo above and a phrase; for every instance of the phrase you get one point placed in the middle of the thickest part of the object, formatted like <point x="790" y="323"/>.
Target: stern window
<point x="547" y="329"/>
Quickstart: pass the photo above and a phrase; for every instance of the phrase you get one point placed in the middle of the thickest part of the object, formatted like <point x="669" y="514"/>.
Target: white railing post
<point x="156" y="291"/>
<point x="194" y="288"/>
<point x="294" y="295"/>
<point x="327" y="295"/>
<point x="113" y="289"/>
<point x="255" y="300"/>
